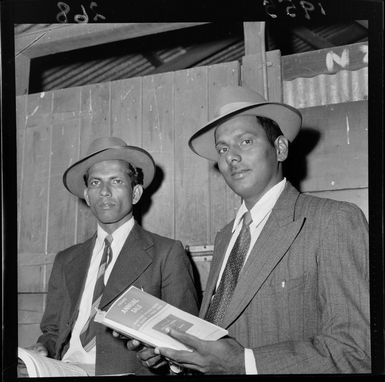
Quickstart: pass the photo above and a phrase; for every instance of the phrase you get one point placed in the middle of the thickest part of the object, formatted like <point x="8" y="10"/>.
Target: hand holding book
<point x="139" y="315"/>
<point x="223" y="356"/>
<point x="145" y="354"/>
<point x="145" y="320"/>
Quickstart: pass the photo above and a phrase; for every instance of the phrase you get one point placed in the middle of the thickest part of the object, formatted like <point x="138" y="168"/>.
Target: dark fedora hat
<point x="108" y="148"/>
<point x="237" y="100"/>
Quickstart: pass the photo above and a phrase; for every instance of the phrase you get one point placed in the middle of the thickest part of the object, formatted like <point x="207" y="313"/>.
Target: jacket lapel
<point x="75" y="272"/>
<point x="133" y="260"/>
<point x="275" y="239"/>
<point x="221" y="243"/>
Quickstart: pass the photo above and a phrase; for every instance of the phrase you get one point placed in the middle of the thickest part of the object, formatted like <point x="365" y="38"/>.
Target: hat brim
<point x="288" y="119"/>
<point x="73" y="178"/>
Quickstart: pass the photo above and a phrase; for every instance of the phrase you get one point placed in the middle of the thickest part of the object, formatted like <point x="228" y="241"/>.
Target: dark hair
<point x="135" y="174"/>
<point x="271" y="128"/>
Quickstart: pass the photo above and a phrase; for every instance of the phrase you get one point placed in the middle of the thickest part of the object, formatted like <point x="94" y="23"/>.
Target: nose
<point x="105" y="190"/>
<point x="232" y="156"/>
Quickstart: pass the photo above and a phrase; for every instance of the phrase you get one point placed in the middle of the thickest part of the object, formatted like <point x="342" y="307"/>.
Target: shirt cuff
<point x="250" y="365"/>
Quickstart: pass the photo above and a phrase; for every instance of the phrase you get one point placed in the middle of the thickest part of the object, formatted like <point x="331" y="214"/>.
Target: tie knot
<point x="247" y="220"/>
<point x="108" y="240"/>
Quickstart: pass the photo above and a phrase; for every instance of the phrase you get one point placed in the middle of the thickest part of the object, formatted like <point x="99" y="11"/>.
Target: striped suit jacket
<point x="302" y="299"/>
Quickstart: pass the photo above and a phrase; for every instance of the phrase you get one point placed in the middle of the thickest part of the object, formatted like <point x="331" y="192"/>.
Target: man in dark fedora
<point x="289" y="278"/>
<point x="90" y="275"/>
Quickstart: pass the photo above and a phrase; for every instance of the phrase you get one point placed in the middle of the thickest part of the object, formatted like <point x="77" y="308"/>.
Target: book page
<point x="39" y="366"/>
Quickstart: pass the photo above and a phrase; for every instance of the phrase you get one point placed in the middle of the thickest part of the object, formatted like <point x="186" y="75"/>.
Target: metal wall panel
<point x="326" y="89"/>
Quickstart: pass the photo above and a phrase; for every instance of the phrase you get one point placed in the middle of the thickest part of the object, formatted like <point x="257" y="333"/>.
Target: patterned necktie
<point x="223" y="295"/>
<point x="88" y="333"/>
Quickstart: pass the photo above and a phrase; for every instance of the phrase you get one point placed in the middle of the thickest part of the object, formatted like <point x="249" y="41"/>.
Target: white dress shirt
<point x="259" y="213"/>
<point x="76" y="352"/>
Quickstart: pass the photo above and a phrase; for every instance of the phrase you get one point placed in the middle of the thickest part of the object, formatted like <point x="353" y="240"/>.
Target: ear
<point x="86" y="198"/>
<point x="137" y="192"/>
<point x="282" y="148"/>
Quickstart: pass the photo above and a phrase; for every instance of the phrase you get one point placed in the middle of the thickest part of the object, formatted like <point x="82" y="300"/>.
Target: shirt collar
<point x="262" y="207"/>
<point x="119" y="234"/>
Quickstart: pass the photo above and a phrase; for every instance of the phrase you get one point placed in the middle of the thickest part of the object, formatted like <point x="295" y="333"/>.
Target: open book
<point x="39" y="366"/>
<point x="140" y="315"/>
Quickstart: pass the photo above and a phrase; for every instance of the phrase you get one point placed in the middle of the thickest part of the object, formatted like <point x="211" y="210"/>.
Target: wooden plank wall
<point x="188" y="199"/>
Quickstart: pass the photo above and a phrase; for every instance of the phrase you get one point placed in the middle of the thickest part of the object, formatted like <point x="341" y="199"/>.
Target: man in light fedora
<point x="111" y="179"/>
<point x="289" y="278"/>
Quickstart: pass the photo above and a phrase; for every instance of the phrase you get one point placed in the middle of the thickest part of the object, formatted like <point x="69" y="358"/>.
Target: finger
<point x="160" y="364"/>
<point x="184" y="359"/>
<point x="187" y="339"/>
<point x="117" y="335"/>
<point x="147" y="353"/>
<point x="120" y="335"/>
<point x="179" y="356"/>
<point x="133" y="345"/>
<point x="153" y="361"/>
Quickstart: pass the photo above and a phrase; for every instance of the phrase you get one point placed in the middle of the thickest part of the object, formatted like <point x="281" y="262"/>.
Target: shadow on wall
<point x="295" y="166"/>
<point x="145" y="202"/>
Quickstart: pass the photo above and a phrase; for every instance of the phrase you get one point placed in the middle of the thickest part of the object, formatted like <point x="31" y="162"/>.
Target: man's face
<point x="109" y="193"/>
<point x="247" y="160"/>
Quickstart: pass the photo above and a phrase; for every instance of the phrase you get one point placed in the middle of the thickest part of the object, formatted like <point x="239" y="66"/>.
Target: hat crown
<point x="231" y="98"/>
<point x="104" y="143"/>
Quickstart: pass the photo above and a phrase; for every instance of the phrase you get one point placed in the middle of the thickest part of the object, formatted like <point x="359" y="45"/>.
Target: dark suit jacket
<point x="157" y="264"/>
<point x="302" y="299"/>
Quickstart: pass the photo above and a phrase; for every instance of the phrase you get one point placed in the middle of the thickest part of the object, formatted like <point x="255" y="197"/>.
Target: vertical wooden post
<point x="254" y="73"/>
<point x="254" y="38"/>
<point x="261" y="70"/>
<point x="22" y="68"/>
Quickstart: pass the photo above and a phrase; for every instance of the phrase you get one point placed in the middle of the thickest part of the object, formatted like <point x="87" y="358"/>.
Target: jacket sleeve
<point x="342" y="344"/>
<point x="178" y="285"/>
<point x="50" y="323"/>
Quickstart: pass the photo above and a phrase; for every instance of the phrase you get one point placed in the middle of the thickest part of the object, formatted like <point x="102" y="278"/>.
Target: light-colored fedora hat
<point x="239" y="100"/>
<point x="108" y="148"/>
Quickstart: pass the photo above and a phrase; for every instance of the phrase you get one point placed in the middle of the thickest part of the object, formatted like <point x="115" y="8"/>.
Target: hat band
<point x="233" y="106"/>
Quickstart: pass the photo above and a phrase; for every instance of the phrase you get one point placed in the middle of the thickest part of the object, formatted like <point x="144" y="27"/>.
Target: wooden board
<point x="34" y="188"/>
<point x="21" y="120"/>
<point x="31" y="308"/>
<point x="126" y="110"/>
<point x="61" y="231"/>
<point x="158" y="131"/>
<point x="325" y="61"/>
<point x="191" y="171"/>
<point x="274" y="76"/>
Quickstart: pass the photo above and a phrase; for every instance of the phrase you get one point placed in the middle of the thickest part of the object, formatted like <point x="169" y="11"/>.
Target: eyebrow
<point x="239" y="136"/>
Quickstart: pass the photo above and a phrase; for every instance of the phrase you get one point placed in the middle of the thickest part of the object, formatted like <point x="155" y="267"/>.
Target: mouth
<point x="238" y="173"/>
<point x="106" y="205"/>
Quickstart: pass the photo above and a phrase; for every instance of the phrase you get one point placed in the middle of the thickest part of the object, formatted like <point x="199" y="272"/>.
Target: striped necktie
<point x="88" y="333"/>
<point x="223" y="295"/>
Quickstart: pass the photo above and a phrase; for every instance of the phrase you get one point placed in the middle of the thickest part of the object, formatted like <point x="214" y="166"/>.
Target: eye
<point x="247" y="141"/>
<point x="117" y="181"/>
<point x="222" y="150"/>
<point x="94" y="182"/>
